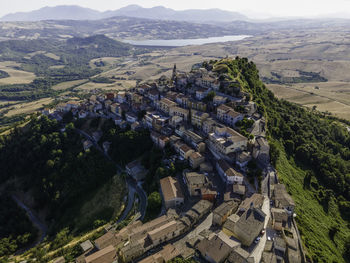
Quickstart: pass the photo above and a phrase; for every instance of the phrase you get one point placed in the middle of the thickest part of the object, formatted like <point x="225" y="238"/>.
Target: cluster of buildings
<point x="246" y="226"/>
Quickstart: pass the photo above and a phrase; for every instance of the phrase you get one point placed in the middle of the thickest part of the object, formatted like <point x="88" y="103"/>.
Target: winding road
<point x="36" y="222"/>
<point x="133" y="186"/>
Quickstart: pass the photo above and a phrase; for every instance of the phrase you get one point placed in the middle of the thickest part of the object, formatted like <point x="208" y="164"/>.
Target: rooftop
<point x="170" y="188"/>
<point x="105" y="255"/>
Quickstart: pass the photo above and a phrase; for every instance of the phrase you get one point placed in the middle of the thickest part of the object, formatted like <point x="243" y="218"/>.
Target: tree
<point x="347" y="250"/>
<point x="210" y="96"/>
<point x="154" y="201"/>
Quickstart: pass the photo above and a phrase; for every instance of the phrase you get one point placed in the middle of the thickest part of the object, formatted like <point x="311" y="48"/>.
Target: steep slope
<point x="311" y="153"/>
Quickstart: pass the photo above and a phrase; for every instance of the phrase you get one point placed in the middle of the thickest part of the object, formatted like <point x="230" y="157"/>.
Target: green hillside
<point x="312" y="155"/>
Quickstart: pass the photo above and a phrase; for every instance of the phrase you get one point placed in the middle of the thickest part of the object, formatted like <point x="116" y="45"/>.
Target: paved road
<point x="131" y="199"/>
<point x="36" y="222"/>
<point x="259" y="249"/>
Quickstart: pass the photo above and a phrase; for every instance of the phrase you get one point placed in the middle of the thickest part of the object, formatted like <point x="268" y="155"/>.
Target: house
<point x="130" y="117"/>
<point x="165" y="105"/>
<point x="238" y="189"/>
<point x="197" y="211"/>
<point x="201" y="93"/>
<point x="228" y="115"/>
<point x="249" y="225"/>
<point x="164" y="233"/>
<point x="198" y="117"/>
<point x="214" y="250"/>
<point x="193" y="139"/>
<point x="195" y="182"/>
<point x="106" y="240"/>
<point x="261" y="150"/>
<point x="177" y="145"/>
<point x="185" y="151"/>
<point x="239" y="255"/>
<point x="256" y="200"/>
<point x="121" y="97"/>
<point x="135" y="126"/>
<point x="226" y="140"/>
<point x="279" y="218"/>
<point x="218" y="100"/>
<point x="144" y="88"/>
<point x="163" y="141"/>
<point x="227" y="173"/>
<point x="282" y="199"/>
<point x="106" y="255"/>
<point x="243" y="159"/>
<point x="171" y="192"/>
<point x="196" y="159"/>
<point x="153" y="95"/>
<point x="72" y="105"/>
<point x="47" y="111"/>
<point x="86" y="246"/>
<point x="209" y="193"/>
<point x="175" y="121"/>
<point x="209" y="125"/>
<point x="165" y="255"/>
<point x="177" y="111"/>
<point x="228" y="227"/>
<point x="223" y="211"/>
<point x="136" y="170"/>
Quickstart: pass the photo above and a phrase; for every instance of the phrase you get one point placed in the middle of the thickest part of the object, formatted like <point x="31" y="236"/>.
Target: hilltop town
<point x="226" y="205"/>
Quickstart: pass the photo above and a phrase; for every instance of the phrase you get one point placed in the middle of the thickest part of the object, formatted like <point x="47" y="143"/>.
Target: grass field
<point x="68" y="84"/>
<point x="27" y="107"/>
<point x="313" y="221"/>
<point x="118" y="85"/>
<point x="333" y="97"/>
<point x="16" y="76"/>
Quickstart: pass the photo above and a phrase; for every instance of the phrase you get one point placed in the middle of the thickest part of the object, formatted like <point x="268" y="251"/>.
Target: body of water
<point x="184" y="42"/>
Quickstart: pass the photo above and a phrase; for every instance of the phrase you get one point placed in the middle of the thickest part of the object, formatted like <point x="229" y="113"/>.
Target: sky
<point x="258" y="8"/>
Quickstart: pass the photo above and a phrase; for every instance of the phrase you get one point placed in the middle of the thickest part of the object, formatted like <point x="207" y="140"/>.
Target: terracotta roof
<point x="215" y="248"/>
<point x="105" y="255"/>
<point x="163" y="230"/>
<point x="185" y="148"/>
<point x="196" y="155"/>
<point x="105" y="240"/>
<point x="170" y="188"/>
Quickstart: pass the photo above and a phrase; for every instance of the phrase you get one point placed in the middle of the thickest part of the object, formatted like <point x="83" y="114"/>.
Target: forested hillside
<point x="53" y="167"/>
<point x="312" y="155"/>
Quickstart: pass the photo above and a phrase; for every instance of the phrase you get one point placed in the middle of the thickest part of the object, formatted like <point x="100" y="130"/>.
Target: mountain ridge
<point x="75" y="12"/>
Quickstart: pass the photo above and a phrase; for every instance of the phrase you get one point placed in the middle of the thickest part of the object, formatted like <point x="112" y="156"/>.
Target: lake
<point x="184" y="42"/>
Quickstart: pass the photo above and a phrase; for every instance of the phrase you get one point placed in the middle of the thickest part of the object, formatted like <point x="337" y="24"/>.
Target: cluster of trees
<point x="16" y="230"/>
<point x="53" y="165"/>
<point x="3" y="74"/>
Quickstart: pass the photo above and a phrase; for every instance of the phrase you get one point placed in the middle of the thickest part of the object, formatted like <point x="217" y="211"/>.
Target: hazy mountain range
<point x="72" y="12"/>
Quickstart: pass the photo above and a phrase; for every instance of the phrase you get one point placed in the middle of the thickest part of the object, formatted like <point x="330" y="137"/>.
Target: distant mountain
<point x="63" y="12"/>
<point x="159" y="12"/>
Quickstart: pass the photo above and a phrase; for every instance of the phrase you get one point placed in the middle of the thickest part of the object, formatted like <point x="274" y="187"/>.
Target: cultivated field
<point x="27" y="107"/>
<point x="16" y="76"/>
<point x="69" y="84"/>
<point x="119" y="85"/>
